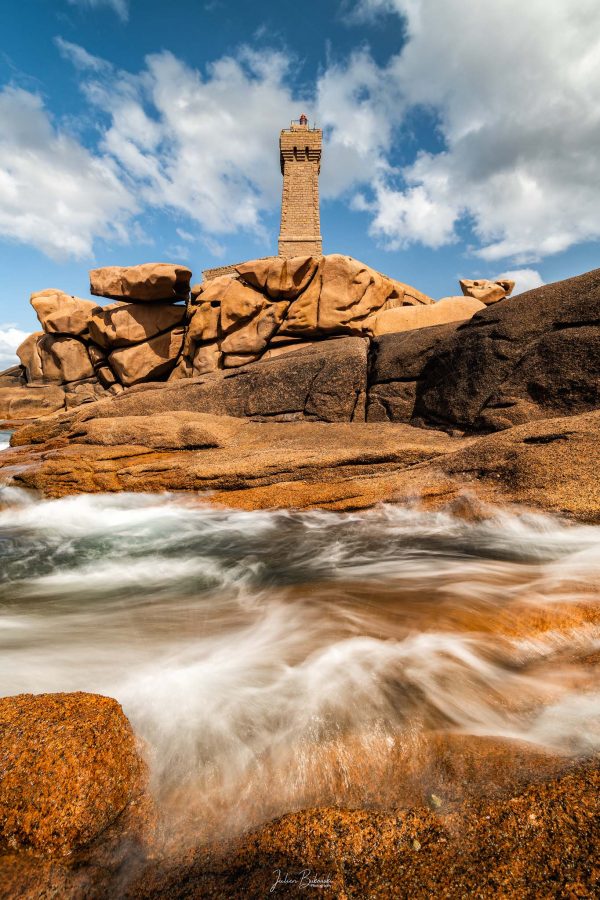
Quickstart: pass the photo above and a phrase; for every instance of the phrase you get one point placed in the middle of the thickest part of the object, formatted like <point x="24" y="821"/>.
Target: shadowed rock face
<point x="533" y="356"/>
<point x="530" y="357"/>
<point x="70" y="765"/>
<point x="326" y="382"/>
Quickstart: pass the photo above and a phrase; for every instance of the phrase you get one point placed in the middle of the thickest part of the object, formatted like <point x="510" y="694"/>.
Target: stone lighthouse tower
<point x="300" y="153"/>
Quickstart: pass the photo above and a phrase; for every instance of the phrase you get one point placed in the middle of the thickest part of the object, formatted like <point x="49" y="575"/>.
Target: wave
<point x="260" y="649"/>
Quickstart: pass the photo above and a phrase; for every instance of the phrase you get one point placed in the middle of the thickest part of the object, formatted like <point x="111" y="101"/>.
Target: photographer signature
<point x="304" y="879"/>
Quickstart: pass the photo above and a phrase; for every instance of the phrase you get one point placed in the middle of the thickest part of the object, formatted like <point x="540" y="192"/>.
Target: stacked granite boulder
<point x="156" y="329"/>
<point x="139" y="337"/>
<point x="273" y="306"/>
<point x="85" y="350"/>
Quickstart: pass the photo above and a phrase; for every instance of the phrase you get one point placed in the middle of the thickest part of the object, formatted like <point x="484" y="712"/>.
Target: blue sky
<point x="460" y="138"/>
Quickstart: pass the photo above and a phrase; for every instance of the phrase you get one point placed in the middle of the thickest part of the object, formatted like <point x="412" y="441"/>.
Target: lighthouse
<point x="300" y="156"/>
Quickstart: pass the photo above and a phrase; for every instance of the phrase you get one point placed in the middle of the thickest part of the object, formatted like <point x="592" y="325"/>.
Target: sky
<point x="460" y="138"/>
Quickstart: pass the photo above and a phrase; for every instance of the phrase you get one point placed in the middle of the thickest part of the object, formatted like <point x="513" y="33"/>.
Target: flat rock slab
<point x="146" y="283"/>
<point x="305" y="464"/>
<point x="321" y="383"/>
<point x="224" y="457"/>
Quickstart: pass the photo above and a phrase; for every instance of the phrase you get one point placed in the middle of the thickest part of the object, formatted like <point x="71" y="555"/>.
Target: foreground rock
<point x="342" y="465"/>
<point x="542" y="841"/>
<point x="535" y="840"/>
<point x="70" y="765"/>
<point x="243" y="463"/>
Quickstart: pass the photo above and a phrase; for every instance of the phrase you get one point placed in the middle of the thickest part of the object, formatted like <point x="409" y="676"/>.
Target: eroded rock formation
<point x="478" y="362"/>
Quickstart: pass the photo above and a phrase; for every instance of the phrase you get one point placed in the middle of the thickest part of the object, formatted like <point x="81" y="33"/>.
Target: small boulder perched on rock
<point x="60" y="313"/>
<point x="487" y="291"/>
<point x="147" y="283"/>
<point x="409" y="318"/>
<point x="70" y="765"/>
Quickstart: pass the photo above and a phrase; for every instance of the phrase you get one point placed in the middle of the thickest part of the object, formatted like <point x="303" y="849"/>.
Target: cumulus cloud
<point x="10" y="338"/>
<point x="121" y="7"/>
<point x="202" y="146"/>
<point x="524" y="279"/>
<point x="516" y="89"/>
<point x="357" y="112"/>
<point x="54" y="193"/>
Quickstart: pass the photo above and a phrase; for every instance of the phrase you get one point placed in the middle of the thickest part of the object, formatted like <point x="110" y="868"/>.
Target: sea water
<point x="273" y="660"/>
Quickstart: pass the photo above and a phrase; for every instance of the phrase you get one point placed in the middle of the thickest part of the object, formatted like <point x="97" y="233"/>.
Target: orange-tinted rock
<point x="410" y="296"/>
<point x="13" y="377"/>
<point x="70" y="765"/>
<point x="30" y="401"/>
<point x="204" y="321"/>
<point x="342" y="293"/>
<point x="171" y="431"/>
<point x="282" y="349"/>
<point x="205" y="359"/>
<point x="407" y="318"/>
<point x="487" y="291"/>
<point x="146" y="283"/>
<point x="148" y="361"/>
<point x="64" y="358"/>
<point x="102" y="370"/>
<point x="60" y="313"/>
<point x="239" y="303"/>
<point x="29" y="355"/>
<point x="123" y="324"/>
<point x="80" y="392"/>
<point x="281" y="279"/>
<point x="253" y="336"/>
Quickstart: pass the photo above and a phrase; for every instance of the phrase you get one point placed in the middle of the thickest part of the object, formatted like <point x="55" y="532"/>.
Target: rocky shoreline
<point x="502" y="408"/>
<point x="494" y="405"/>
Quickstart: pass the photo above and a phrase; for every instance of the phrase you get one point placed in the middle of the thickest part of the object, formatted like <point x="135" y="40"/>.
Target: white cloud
<point x="525" y="280"/>
<point x="10" y="338"/>
<point x="516" y="88"/>
<point x="80" y="58"/>
<point x="205" y="147"/>
<point x="54" y="193"/>
<point x="356" y="110"/>
<point x="121" y="7"/>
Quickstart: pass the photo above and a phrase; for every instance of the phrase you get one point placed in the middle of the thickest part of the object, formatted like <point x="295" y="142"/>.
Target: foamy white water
<point x="4" y="439"/>
<point x="251" y="649"/>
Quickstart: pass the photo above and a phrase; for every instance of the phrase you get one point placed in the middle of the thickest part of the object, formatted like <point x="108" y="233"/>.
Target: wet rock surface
<point x="536" y="837"/>
<point x="70" y="765"/>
